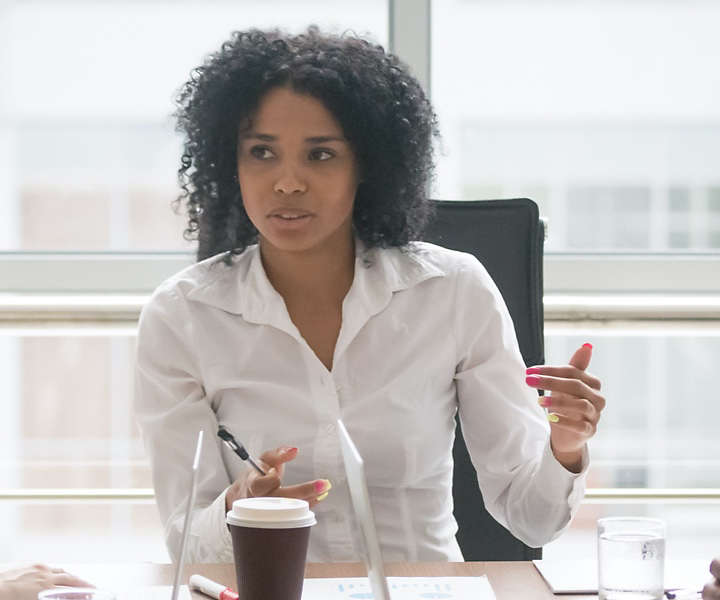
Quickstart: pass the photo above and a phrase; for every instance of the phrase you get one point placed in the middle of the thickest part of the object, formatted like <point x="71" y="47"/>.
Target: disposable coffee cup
<point x="270" y="540"/>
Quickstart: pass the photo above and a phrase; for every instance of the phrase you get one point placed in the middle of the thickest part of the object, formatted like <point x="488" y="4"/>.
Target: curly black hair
<point x="381" y="108"/>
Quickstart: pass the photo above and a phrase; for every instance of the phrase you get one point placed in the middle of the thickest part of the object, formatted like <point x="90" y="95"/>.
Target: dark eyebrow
<point x="264" y="137"/>
<point x="319" y="139"/>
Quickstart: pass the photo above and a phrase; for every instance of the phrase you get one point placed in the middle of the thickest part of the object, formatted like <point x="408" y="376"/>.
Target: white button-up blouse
<point x="424" y="334"/>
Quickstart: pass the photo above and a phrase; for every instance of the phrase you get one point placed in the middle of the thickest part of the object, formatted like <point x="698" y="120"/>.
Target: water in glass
<point x="631" y="565"/>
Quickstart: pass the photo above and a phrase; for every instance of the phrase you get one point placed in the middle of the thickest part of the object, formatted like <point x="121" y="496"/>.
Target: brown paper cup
<point x="270" y="540"/>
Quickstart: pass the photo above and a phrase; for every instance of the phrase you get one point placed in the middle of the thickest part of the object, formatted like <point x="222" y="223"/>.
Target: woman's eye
<point x="261" y="152"/>
<point x="321" y="154"/>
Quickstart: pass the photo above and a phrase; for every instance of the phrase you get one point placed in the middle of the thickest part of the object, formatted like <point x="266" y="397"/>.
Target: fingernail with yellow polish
<point x="553" y="418"/>
<point x="322" y="497"/>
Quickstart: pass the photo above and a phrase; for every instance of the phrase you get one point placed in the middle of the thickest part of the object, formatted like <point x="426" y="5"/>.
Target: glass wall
<point x="88" y="158"/>
<point x="607" y="114"/>
<point x="88" y="150"/>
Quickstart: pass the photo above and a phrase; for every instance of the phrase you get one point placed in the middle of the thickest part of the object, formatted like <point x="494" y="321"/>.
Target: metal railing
<point x="37" y="310"/>
<point x="592" y="495"/>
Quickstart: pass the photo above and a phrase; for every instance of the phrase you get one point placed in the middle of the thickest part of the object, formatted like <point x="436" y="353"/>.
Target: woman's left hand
<point x="574" y="405"/>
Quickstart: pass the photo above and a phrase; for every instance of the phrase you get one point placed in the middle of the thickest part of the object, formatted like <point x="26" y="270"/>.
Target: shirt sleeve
<point x="507" y="434"/>
<point x="171" y="408"/>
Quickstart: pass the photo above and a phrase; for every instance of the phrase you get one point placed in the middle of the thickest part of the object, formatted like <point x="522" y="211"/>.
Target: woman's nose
<point x="289" y="181"/>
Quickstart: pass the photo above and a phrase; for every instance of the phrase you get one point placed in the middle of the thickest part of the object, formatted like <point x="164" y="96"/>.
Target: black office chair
<point x="507" y="237"/>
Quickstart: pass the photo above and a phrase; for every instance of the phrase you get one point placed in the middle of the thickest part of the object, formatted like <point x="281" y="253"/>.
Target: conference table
<point x="509" y="580"/>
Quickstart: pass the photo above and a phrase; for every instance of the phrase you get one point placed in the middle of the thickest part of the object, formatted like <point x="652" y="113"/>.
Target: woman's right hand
<point x="273" y="463"/>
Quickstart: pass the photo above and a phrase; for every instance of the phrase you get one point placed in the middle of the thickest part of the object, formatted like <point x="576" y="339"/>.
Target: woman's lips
<point x="290" y="219"/>
<point x="290" y="214"/>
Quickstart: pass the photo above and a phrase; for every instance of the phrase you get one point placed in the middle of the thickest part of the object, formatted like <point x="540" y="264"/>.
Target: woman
<point x="319" y="148"/>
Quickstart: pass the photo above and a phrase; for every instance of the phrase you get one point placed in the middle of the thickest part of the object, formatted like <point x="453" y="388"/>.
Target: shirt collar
<point x="380" y="272"/>
<point x="243" y="288"/>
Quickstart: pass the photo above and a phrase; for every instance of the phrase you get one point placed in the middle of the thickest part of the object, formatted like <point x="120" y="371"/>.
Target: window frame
<point x="100" y="288"/>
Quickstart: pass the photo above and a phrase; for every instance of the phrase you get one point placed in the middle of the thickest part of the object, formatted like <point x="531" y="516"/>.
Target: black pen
<point x="237" y="448"/>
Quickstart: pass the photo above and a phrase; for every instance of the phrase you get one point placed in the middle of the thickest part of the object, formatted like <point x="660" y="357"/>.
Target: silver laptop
<point x="188" y="517"/>
<point x="355" y="471"/>
<point x="178" y="591"/>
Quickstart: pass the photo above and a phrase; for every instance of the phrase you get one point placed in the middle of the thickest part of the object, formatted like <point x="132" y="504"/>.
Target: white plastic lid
<point x="271" y="513"/>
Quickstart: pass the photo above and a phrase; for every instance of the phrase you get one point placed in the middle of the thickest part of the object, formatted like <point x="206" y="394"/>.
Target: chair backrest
<point x="507" y="237"/>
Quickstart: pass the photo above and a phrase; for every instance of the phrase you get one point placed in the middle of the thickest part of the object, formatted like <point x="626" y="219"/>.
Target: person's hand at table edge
<point x="26" y="583"/>
<point x="711" y="591"/>
<point x="574" y="405"/>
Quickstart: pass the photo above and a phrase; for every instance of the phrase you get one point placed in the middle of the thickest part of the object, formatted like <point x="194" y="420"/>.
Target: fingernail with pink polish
<point x="322" y="485"/>
<point x="544" y="401"/>
<point x="532" y="380"/>
<point x="587" y="345"/>
<point x="533" y="370"/>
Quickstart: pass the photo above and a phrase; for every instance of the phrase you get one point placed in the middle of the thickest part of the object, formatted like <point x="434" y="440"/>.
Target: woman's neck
<point x="320" y="275"/>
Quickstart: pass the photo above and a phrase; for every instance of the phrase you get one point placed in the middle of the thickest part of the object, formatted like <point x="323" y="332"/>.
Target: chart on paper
<point x="401" y="588"/>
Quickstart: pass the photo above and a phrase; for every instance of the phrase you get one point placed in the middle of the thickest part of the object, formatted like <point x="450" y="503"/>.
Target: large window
<point x="86" y="135"/>
<point x="606" y="113"/>
<point x="88" y="158"/>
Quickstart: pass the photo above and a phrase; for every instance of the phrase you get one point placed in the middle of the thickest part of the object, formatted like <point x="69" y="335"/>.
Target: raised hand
<point x="574" y="405"/>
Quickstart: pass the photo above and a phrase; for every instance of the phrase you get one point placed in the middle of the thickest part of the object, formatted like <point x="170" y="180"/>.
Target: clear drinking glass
<point x="631" y="558"/>
<point x="76" y="594"/>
